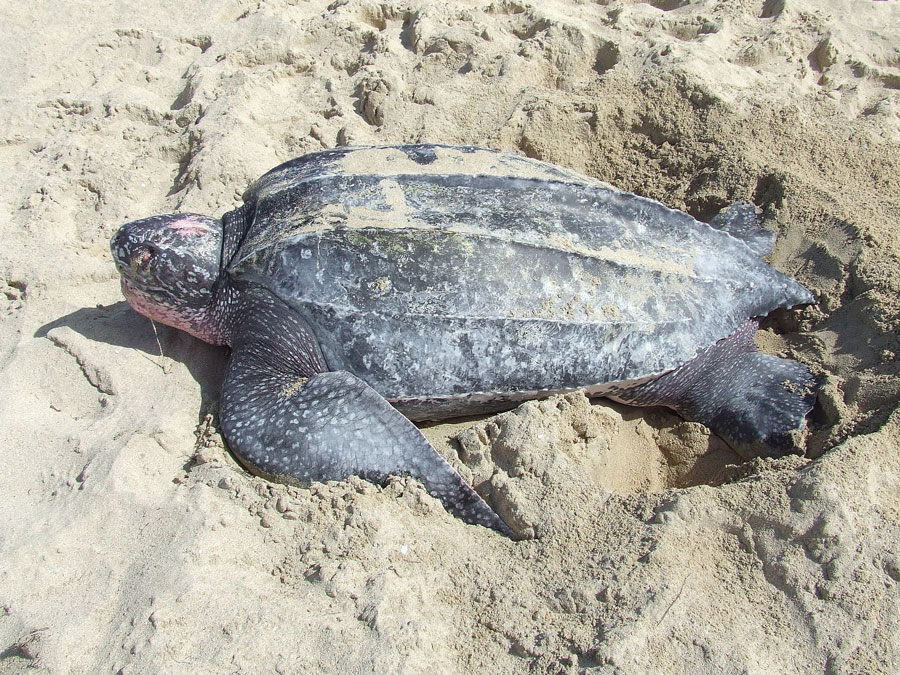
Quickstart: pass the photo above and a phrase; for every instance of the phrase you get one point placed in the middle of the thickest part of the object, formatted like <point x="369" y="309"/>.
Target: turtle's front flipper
<point x="288" y="419"/>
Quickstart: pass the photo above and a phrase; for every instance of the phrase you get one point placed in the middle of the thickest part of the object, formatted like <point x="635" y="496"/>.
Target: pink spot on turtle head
<point x="190" y="225"/>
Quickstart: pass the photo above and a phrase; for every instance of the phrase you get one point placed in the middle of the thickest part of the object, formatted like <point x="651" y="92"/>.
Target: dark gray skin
<point x="436" y="281"/>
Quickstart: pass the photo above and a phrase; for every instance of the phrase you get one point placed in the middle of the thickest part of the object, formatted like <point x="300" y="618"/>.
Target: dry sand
<point x="131" y="541"/>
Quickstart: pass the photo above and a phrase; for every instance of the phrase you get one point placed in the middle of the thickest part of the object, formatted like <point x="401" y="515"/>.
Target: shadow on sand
<point x="121" y="326"/>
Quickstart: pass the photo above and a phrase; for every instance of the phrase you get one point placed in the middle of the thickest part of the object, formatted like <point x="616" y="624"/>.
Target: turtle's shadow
<point x="121" y="326"/>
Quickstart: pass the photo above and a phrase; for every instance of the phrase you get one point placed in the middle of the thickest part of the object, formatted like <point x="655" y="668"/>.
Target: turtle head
<point x="170" y="268"/>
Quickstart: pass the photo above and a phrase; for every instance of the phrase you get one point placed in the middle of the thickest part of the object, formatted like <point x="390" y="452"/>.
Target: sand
<point x="132" y="542"/>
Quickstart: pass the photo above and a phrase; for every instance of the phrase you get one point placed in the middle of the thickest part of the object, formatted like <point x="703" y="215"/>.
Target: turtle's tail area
<point x="755" y="401"/>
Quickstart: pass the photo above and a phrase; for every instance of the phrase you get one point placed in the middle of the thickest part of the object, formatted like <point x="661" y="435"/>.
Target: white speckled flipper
<point x="287" y="418"/>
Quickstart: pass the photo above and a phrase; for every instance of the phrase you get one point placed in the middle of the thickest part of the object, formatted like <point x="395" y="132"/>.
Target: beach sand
<point x="131" y="541"/>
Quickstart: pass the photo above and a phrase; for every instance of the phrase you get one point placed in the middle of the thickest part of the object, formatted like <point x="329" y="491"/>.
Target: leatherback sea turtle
<point x="439" y="281"/>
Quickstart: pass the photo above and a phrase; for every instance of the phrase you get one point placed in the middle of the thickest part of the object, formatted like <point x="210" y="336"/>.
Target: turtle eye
<point x="143" y="254"/>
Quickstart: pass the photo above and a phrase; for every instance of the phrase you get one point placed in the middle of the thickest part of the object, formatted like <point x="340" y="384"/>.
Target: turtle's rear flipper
<point x="741" y="222"/>
<point x="287" y="420"/>
<point x="752" y="400"/>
